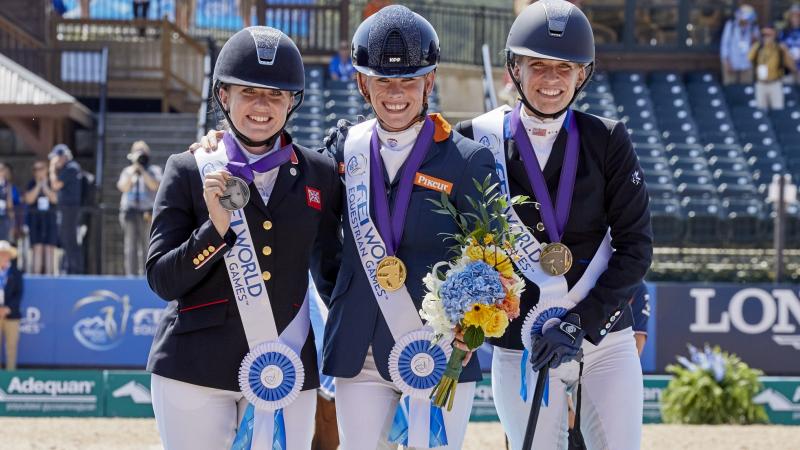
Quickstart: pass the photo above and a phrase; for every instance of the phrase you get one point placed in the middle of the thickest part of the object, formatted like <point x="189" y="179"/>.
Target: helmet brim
<point x="400" y="72"/>
<point x="250" y="83"/>
<point x="524" y="51"/>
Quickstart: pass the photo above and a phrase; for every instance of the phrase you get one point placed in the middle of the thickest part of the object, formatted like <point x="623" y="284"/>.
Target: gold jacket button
<point x="267" y="250"/>
<point x="195" y="261"/>
<point x="267" y="225"/>
<point x="206" y="252"/>
<point x="200" y="257"/>
<point x="211" y="248"/>
<point x="266" y="275"/>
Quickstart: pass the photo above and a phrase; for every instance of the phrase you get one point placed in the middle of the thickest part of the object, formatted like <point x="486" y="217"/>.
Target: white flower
<point x="518" y="287"/>
<point x="433" y="313"/>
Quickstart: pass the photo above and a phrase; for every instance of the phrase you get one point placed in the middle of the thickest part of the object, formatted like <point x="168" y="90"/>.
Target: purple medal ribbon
<point x="554" y="219"/>
<point x="391" y="226"/>
<point x="239" y="167"/>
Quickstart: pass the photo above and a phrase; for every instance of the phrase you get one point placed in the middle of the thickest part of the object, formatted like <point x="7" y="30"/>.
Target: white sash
<point x="397" y="307"/>
<point x="488" y="130"/>
<point x="253" y="303"/>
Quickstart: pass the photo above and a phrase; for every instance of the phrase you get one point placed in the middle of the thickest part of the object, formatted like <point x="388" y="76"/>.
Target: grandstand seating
<point x="707" y="152"/>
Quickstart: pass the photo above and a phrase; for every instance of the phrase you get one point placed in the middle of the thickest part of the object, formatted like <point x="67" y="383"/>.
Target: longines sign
<point x="760" y="323"/>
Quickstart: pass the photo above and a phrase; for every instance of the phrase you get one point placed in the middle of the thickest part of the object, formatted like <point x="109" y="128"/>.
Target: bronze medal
<point x="391" y="273"/>
<point x="556" y="258"/>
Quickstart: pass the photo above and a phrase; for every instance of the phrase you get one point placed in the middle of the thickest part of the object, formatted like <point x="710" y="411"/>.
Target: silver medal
<point x="236" y="194"/>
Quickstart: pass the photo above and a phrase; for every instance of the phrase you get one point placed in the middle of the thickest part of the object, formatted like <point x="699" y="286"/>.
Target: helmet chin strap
<point x="269" y="142"/>
<point x="510" y="65"/>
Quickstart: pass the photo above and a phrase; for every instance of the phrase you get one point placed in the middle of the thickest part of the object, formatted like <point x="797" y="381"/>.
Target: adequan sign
<point x="51" y="393"/>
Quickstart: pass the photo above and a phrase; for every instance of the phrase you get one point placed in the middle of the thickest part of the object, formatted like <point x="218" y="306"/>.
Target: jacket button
<point x="267" y="250"/>
<point x="206" y="253"/>
<point x="200" y="257"/>
<point x="195" y="261"/>
<point x="266" y="275"/>
<point x="267" y="225"/>
<point x="540" y="226"/>
<point x="211" y="248"/>
<point x="602" y="332"/>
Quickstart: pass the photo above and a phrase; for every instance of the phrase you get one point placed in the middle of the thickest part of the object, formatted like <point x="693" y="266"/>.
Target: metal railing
<point x="141" y="50"/>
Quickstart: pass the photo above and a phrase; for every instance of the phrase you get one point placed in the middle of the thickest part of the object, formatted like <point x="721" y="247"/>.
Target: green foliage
<point x="473" y="337"/>
<point x="694" y="396"/>
<point x="489" y="215"/>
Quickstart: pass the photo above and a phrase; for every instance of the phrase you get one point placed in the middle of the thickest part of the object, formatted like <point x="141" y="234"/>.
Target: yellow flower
<point x="474" y="252"/>
<point x="493" y="321"/>
<point x="499" y="260"/>
<point x="488" y="239"/>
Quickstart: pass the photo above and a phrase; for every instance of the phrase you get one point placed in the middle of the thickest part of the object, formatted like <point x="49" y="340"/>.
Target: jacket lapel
<point x="284" y="183"/>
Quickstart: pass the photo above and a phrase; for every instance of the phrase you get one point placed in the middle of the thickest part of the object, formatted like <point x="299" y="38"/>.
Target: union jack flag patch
<point x="314" y="198"/>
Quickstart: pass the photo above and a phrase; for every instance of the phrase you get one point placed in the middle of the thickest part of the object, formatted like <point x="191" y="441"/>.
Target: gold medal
<point x="391" y="273"/>
<point x="556" y="258"/>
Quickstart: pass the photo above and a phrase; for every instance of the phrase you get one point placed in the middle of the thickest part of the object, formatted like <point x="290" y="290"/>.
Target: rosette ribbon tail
<point x="523" y="375"/>
<point x="419" y="424"/>
<point x="244" y="435"/>
<point x="279" y="431"/>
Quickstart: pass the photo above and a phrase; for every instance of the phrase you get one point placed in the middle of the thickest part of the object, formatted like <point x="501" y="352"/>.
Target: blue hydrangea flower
<point x="476" y="283"/>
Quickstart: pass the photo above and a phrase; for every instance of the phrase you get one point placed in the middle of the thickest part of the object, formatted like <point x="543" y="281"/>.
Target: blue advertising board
<point x="758" y="322"/>
<point x="87" y="321"/>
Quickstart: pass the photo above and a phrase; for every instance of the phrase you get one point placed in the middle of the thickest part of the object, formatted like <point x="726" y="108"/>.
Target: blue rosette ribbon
<point x="545" y="314"/>
<point x="270" y="378"/>
<point x="416" y="364"/>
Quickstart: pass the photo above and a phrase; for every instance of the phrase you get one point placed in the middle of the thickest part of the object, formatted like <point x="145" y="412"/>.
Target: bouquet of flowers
<point x="475" y="295"/>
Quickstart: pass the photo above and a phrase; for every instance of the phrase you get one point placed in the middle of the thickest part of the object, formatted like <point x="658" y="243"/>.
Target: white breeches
<point x="611" y="396"/>
<point x="365" y="407"/>
<point x="192" y="417"/>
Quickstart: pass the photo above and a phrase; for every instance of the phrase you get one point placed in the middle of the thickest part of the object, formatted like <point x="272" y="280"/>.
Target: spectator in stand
<point x="246" y="11"/>
<point x="42" y="221"/>
<point x="738" y="36"/>
<point x="138" y="183"/>
<point x="85" y="9"/>
<point x="7" y="218"/>
<point x="184" y="14"/>
<point x="771" y="60"/>
<point x="140" y="9"/>
<point x="790" y="36"/>
<point x="341" y="66"/>
<point x="10" y="298"/>
<point x="65" y="179"/>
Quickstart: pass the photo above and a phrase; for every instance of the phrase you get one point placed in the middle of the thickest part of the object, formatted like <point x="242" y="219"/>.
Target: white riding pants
<point x="611" y="396"/>
<point x="192" y="417"/>
<point x="365" y="407"/>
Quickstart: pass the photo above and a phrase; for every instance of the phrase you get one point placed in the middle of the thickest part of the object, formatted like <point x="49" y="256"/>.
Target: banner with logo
<point x="51" y="393"/>
<point x="127" y="394"/>
<point x="760" y="323"/>
<point x="87" y="321"/>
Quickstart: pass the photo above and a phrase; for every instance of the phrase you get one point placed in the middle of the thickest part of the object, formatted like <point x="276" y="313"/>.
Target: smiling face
<point x="256" y="112"/>
<point x="548" y="84"/>
<point x="397" y="101"/>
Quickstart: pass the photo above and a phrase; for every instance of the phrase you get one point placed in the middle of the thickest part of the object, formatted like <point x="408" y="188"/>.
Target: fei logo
<point x="104" y="318"/>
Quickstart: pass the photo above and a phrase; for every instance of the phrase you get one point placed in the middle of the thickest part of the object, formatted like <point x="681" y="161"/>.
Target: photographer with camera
<point x="138" y="183"/>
